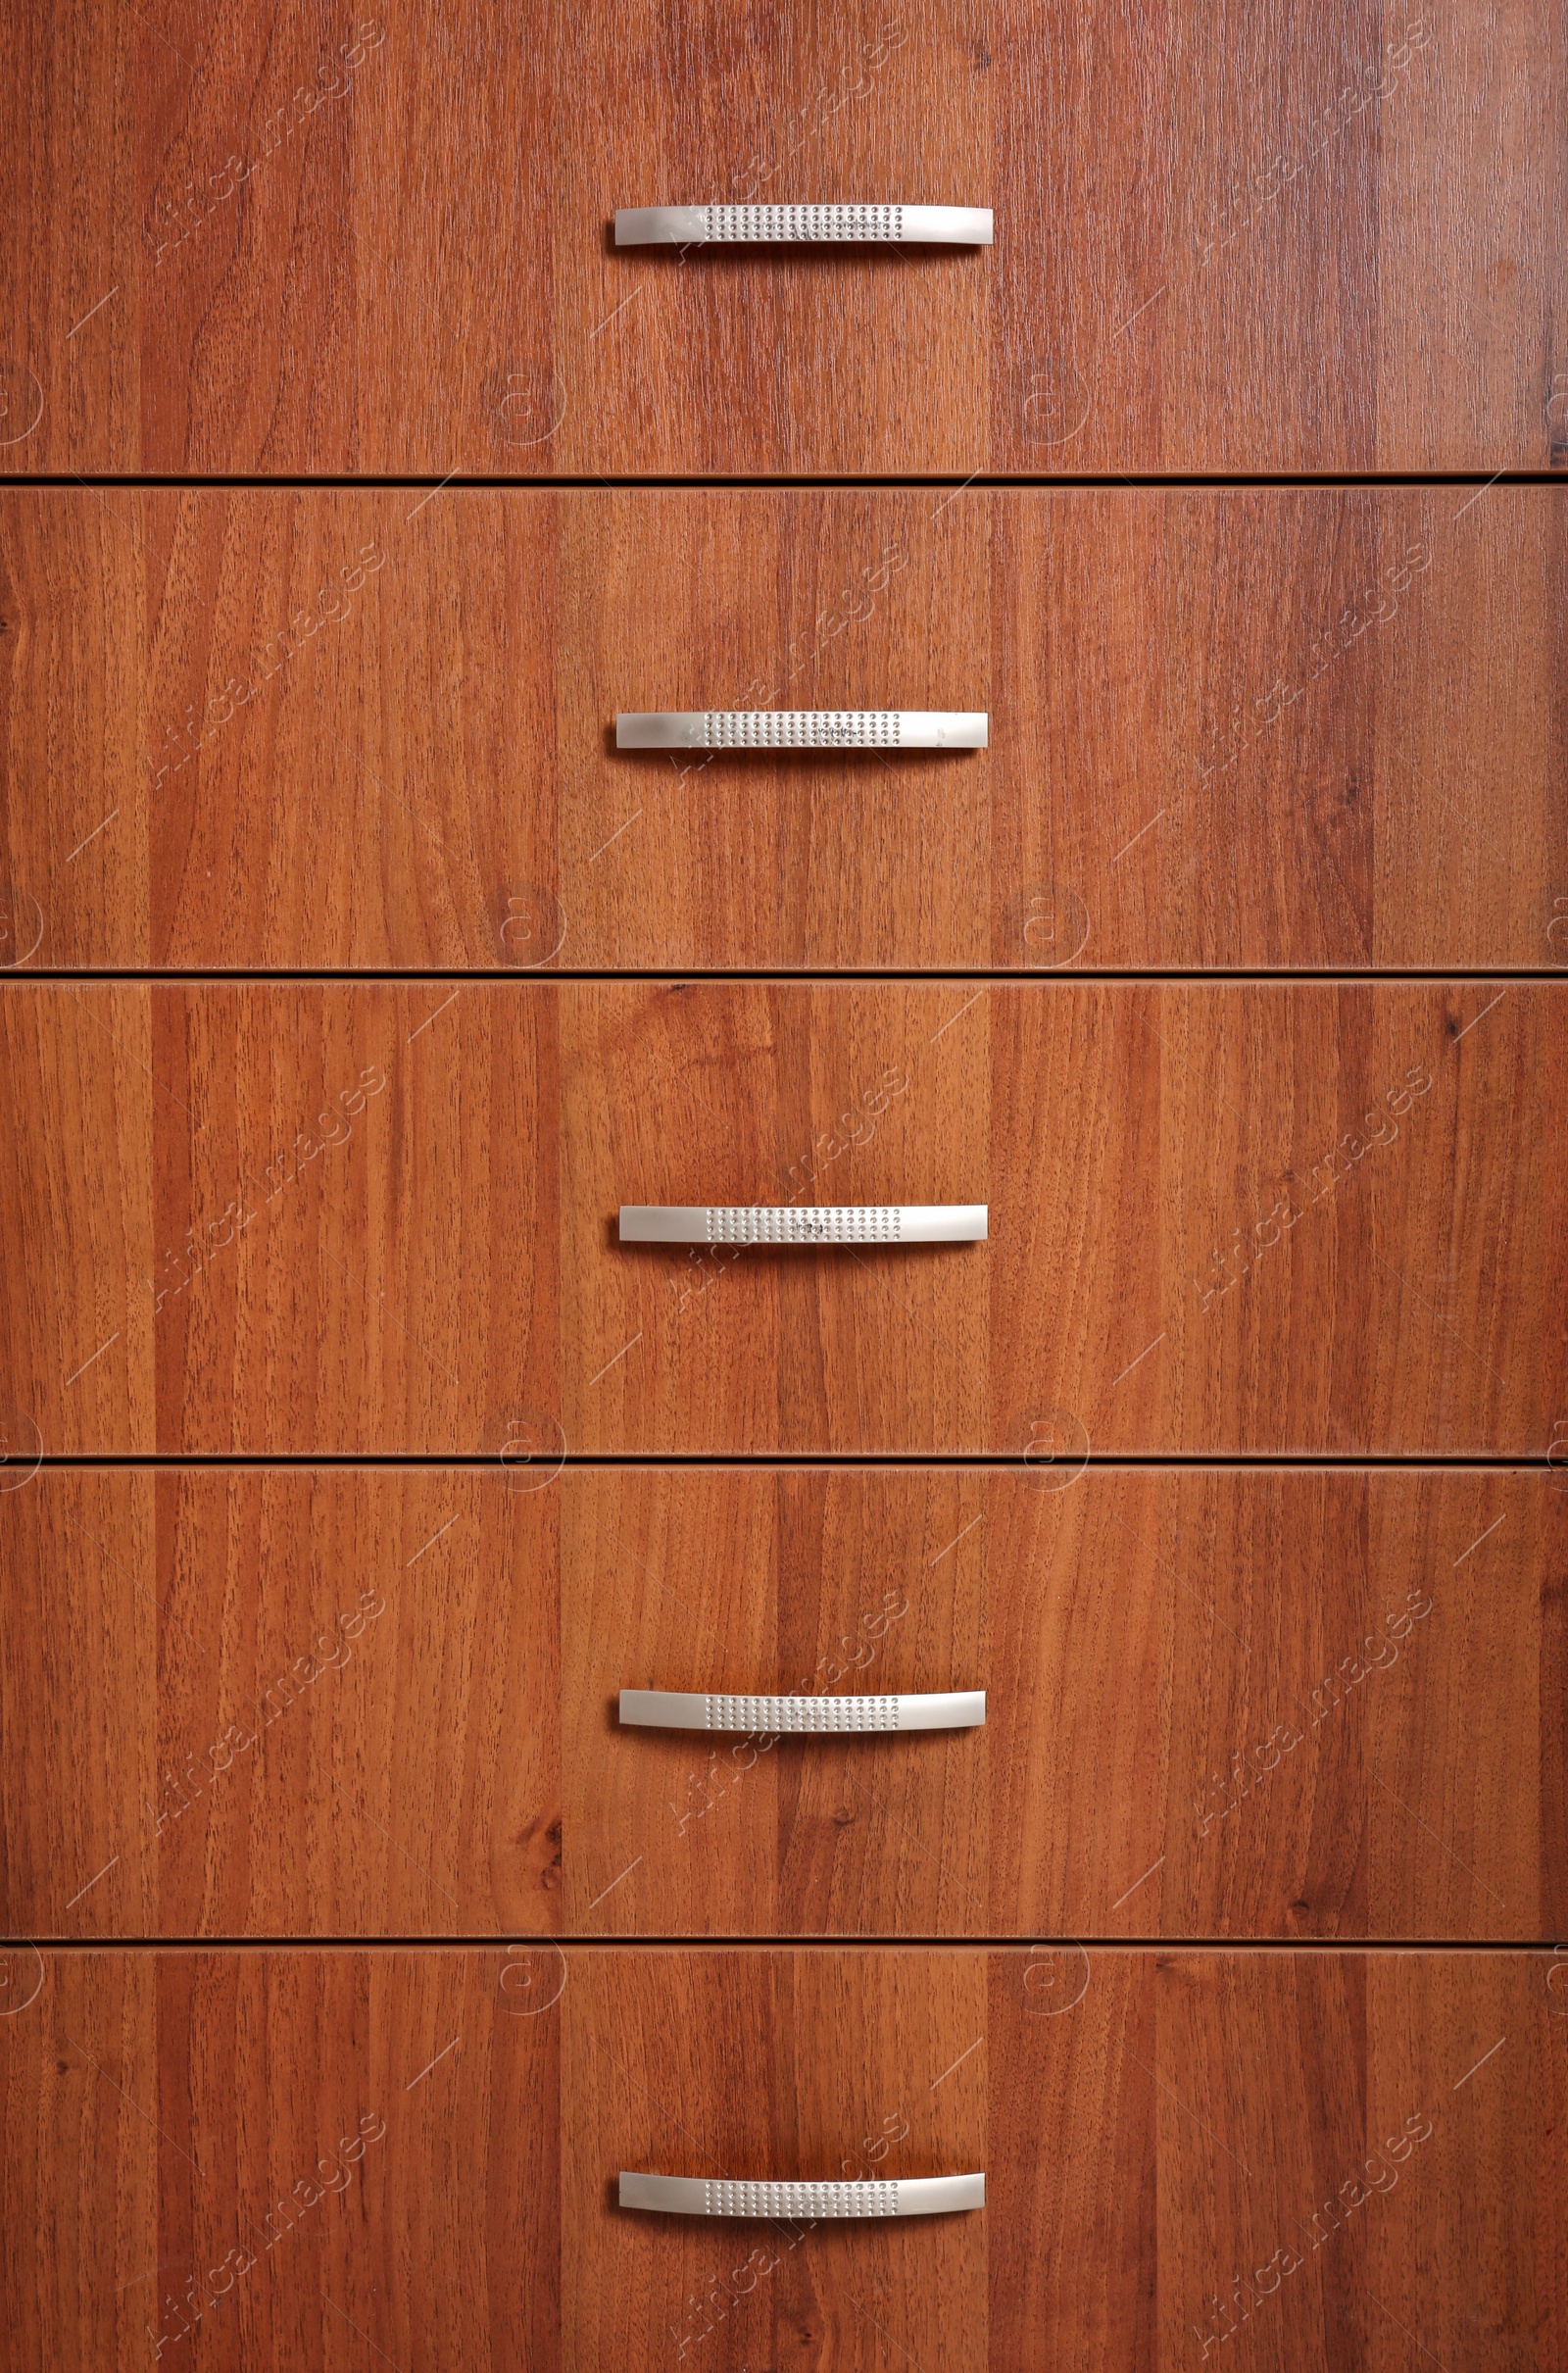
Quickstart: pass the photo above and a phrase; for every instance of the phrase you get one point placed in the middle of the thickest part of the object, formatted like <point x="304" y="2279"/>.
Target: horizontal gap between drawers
<point x="841" y="1462"/>
<point x="500" y="976"/>
<point x="1231" y="1946"/>
<point x="985" y="481"/>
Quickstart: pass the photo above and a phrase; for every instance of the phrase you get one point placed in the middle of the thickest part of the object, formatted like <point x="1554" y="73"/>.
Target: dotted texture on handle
<point x="780" y="1714"/>
<point x="803" y="222"/>
<point x="837" y="1224"/>
<point x="800" y="729"/>
<point x="801" y="2200"/>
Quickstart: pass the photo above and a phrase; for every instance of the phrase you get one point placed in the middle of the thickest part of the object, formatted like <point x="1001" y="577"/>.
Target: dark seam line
<point x="1020" y="978"/>
<point x="918" y="1462"/>
<point x="1108" y="479"/>
<point x="868" y="1941"/>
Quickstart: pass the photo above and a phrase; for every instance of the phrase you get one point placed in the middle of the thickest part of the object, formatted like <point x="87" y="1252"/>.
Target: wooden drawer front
<point x="292" y="244"/>
<point x="338" y="1704"/>
<point x="316" y="2157"/>
<point x="361" y="1218"/>
<point x="1246" y="728"/>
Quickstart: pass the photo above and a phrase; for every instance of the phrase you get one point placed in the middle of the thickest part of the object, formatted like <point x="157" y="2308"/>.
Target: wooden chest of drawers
<point x="362" y="479"/>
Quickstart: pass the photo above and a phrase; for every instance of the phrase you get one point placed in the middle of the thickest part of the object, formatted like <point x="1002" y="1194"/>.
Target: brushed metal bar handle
<point x="696" y="2196"/>
<point x="851" y="224"/>
<point x="692" y="1709"/>
<point x="794" y="1224"/>
<point x="803" y="729"/>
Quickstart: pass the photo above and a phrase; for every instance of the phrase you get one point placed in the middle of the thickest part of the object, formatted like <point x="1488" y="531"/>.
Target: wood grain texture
<point x="266" y="1098"/>
<point x="367" y="1218"/>
<point x="69" y="395"/>
<point x="1291" y="2148"/>
<point x="80" y="2180"/>
<point x="818" y="1583"/>
<point x="1125" y="1631"/>
<point x="78" y="1702"/>
<point x="77" y="1094"/>
<point x="1220" y="1704"/>
<point x="1305" y="727"/>
<point x="1285" y="2150"/>
<point x="75" y="821"/>
<point x="234" y="2160"/>
<point x="1403" y="1308"/>
<point x="1225" y="240"/>
<point x="785" y="2065"/>
<point x="275" y="1703"/>
<point x="1381" y="1625"/>
<point x="449" y="2255"/>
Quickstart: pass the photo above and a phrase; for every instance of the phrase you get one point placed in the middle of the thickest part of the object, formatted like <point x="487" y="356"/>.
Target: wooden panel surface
<point x="273" y="240"/>
<point x="68" y="174"/>
<point x="377" y="1218"/>
<point x="1276" y="1703"/>
<point x="255" y="1703"/>
<point x="78" y="1115"/>
<point x="1288" y="2151"/>
<point x="1324" y="2156"/>
<point x="1220" y="1703"/>
<point x="323" y="2158"/>
<point x="1229" y="728"/>
<point x="1174" y="1261"/>
<point x="332" y="1168"/>
<point x="824" y="1583"/>
<point x="81" y="2179"/>
<point x="780" y="2064"/>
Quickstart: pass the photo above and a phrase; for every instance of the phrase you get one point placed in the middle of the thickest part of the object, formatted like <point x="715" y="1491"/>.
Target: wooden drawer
<point x="1246" y="728"/>
<point x="239" y="2159"/>
<point x="1222" y="1702"/>
<point x="381" y="1219"/>
<point x="260" y="240"/>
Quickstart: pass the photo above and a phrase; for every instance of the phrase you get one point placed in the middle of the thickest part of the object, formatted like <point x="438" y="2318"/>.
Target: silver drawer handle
<point x="695" y="2196"/>
<point x="702" y="225"/>
<point x="691" y="1709"/>
<point x="794" y="1224"/>
<point x="803" y="729"/>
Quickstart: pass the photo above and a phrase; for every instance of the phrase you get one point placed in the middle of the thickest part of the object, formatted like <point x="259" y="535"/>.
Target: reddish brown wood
<point x="68" y="193"/>
<point x="283" y="1102"/>
<point x="1220" y="1704"/>
<point x="289" y="242"/>
<point x="1233" y="728"/>
<point x="1224" y="1702"/>
<point x="76" y="1219"/>
<point x="81" y="2168"/>
<point x="808" y="1582"/>
<point x="1287" y="2148"/>
<point x="1223" y="1218"/>
<point x="273" y="1704"/>
<point x="78" y="1702"/>
<point x="441" y="2245"/>
<point x="771" y="2064"/>
<point x="1249" y="728"/>
<point x="1393" y="1310"/>
<point x="1278" y="2139"/>
<point x="232" y="2160"/>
